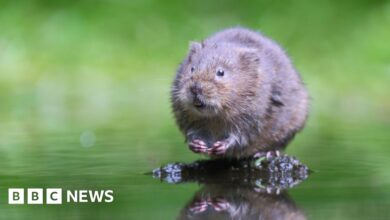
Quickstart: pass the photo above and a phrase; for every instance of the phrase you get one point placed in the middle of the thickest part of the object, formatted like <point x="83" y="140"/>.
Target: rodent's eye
<point x="192" y="69"/>
<point x="220" y="72"/>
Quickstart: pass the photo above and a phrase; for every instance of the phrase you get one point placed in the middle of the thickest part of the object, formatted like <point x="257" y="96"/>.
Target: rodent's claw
<point x="218" y="148"/>
<point x="220" y="204"/>
<point x="198" y="207"/>
<point x="200" y="142"/>
<point x="198" y="146"/>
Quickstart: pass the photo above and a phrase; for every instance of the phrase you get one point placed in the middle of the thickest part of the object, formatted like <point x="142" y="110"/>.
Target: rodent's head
<point x="215" y="79"/>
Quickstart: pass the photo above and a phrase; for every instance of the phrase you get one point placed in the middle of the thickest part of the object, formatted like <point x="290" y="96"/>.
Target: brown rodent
<point x="236" y="94"/>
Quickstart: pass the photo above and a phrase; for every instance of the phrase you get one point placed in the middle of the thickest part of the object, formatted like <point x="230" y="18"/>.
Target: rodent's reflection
<point x="251" y="188"/>
<point x="215" y="201"/>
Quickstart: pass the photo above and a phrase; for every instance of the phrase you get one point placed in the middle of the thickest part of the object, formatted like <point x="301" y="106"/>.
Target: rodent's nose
<point x="195" y="89"/>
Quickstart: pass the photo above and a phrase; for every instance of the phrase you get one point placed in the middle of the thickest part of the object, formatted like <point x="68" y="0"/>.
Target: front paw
<point x="198" y="207"/>
<point x="198" y="146"/>
<point x="220" y="204"/>
<point x="219" y="148"/>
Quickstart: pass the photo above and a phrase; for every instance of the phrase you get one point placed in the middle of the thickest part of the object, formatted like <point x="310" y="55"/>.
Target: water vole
<point x="236" y="94"/>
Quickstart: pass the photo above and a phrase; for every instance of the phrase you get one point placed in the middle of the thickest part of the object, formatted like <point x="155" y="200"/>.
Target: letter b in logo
<point x="15" y="196"/>
<point x="54" y="196"/>
<point x="34" y="196"/>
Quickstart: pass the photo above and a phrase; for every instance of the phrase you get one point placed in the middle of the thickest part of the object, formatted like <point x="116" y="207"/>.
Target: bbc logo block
<point x="54" y="196"/>
<point x="16" y="196"/>
<point x="34" y="196"/>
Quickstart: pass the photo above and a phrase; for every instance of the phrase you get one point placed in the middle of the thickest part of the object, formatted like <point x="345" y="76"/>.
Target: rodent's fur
<point x="258" y="105"/>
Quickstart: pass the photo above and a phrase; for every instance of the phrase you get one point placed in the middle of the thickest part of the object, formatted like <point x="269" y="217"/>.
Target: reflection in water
<point x="224" y="201"/>
<point x="254" y="188"/>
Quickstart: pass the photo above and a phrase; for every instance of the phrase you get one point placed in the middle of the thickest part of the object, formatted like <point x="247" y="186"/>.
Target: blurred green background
<point x="84" y="100"/>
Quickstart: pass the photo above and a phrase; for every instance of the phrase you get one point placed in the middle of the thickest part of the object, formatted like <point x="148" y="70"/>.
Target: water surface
<point x="351" y="180"/>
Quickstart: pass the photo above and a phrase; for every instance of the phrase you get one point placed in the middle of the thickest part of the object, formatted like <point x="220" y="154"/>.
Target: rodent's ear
<point x="195" y="47"/>
<point x="249" y="56"/>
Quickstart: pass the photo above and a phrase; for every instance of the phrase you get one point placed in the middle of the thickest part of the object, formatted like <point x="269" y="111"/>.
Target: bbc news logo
<point x="55" y="196"/>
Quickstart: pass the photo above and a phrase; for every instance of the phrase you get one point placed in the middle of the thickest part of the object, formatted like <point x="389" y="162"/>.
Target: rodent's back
<point x="289" y="100"/>
<point x="268" y="49"/>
